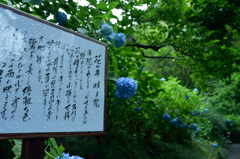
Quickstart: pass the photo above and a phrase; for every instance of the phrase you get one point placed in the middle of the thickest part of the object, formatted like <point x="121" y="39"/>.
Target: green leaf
<point x="112" y="76"/>
<point x="53" y="152"/>
<point x="115" y="29"/>
<point x="115" y="63"/>
<point x="10" y="4"/>
<point x="90" y="28"/>
<point x="17" y="148"/>
<point x="102" y="5"/>
<point x="54" y="144"/>
<point x="125" y="21"/>
<point x="103" y="21"/>
<point x="36" y="15"/>
<point x="113" y="5"/>
<point x="82" y="30"/>
<point x="60" y="150"/>
<point x="129" y="31"/>
<point x="98" y="34"/>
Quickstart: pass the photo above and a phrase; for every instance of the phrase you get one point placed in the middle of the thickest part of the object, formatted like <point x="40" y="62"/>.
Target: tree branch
<point x="159" y="57"/>
<point x="146" y="46"/>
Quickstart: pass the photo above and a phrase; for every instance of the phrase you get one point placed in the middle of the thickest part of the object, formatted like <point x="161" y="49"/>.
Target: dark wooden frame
<point x="67" y="134"/>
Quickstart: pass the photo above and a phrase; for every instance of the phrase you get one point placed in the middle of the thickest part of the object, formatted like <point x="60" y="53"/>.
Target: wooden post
<point x="33" y="148"/>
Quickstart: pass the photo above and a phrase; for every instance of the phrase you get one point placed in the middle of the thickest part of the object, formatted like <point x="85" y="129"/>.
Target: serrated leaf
<point x="54" y="144"/>
<point x="60" y="150"/>
<point x="17" y="148"/>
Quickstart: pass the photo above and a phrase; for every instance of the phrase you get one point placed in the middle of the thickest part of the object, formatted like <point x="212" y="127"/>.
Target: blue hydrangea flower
<point x="231" y="124"/>
<point x="166" y="117"/>
<point x="198" y="113"/>
<point x="198" y="130"/>
<point x="61" y="18"/>
<point x="175" y="122"/>
<point x="106" y="29"/>
<point x="66" y="156"/>
<point x="195" y="90"/>
<point x="228" y="120"/>
<point x="193" y="136"/>
<point x="193" y="126"/>
<point x="184" y="125"/>
<point x="125" y="88"/>
<point x="111" y="36"/>
<point x="137" y="109"/>
<point x="206" y="110"/>
<point x="198" y="140"/>
<point x="163" y="79"/>
<point x="215" y="145"/>
<point x="234" y="121"/>
<point x="187" y="97"/>
<point x="119" y="40"/>
<point x="195" y="113"/>
<point x="236" y="114"/>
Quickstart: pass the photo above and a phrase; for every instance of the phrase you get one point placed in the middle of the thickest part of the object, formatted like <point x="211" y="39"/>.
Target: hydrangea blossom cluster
<point x="163" y="79"/>
<point x="166" y="117"/>
<point x="192" y="136"/>
<point x="195" y="113"/>
<point x="125" y="88"/>
<point x="184" y="125"/>
<point x="195" y="90"/>
<point x="187" y="97"/>
<point x="61" y="18"/>
<point x="175" y="122"/>
<point x="193" y="126"/>
<point x="66" y="156"/>
<point x="119" y="40"/>
<point x="236" y="114"/>
<point x="206" y="110"/>
<point x="215" y="145"/>
<point x="111" y="36"/>
<point x="106" y="29"/>
<point x="231" y="124"/>
<point x="228" y="120"/>
<point x="198" y="130"/>
<point x="137" y="109"/>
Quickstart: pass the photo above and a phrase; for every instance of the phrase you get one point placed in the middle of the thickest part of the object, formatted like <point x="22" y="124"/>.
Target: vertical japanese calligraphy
<point x="50" y="79"/>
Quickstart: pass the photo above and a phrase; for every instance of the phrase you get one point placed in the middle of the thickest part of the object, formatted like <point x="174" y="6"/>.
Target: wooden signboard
<point x="52" y="80"/>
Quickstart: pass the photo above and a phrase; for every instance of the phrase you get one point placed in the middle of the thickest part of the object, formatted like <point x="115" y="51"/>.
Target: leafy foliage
<point x="192" y="36"/>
